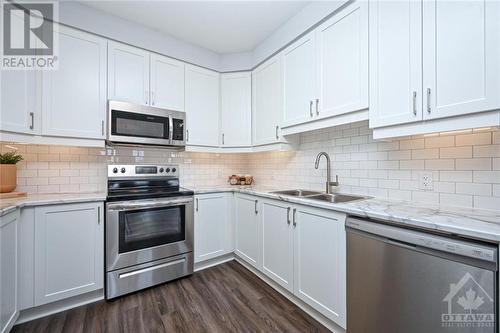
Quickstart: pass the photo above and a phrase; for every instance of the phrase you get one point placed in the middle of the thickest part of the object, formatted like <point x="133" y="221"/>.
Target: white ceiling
<point x="220" y="26"/>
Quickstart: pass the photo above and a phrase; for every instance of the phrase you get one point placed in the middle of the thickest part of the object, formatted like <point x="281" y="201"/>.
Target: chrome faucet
<point x="329" y="182"/>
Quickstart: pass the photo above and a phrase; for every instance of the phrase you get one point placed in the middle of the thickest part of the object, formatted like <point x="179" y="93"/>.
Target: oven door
<point x="141" y="231"/>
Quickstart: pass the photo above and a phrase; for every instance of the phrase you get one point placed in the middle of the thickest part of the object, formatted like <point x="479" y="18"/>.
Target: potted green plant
<point x="8" y="171"/>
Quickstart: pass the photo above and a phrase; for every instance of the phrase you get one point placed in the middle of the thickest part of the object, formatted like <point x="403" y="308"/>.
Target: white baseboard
<point x="59" y="306"/>
<point x="303" y="306"/>
<point x="199" y="266"/>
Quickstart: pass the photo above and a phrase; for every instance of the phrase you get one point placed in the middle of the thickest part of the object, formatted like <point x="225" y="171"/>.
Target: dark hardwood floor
<point x="224" y="298"/>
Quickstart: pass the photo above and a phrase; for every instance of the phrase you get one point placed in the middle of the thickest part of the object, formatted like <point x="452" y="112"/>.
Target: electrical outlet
<point x="426" y="181"/>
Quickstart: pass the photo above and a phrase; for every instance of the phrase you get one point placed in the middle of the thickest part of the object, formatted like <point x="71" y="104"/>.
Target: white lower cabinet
<point x="277" y="242"/>
<point x="8" y="270"/>
<point x="213" y="228"/>
<point x="303" y="250"/>
<point x="68" y="251"/>
<point x="248" y="240"/>
<point x="319" y="261"/>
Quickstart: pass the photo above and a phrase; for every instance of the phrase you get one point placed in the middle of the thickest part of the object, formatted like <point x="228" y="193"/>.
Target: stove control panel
<point x="115" y="171"/>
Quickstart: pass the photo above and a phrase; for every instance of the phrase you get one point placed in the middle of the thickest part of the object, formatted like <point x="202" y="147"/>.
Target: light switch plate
<point x="426" y="181"/>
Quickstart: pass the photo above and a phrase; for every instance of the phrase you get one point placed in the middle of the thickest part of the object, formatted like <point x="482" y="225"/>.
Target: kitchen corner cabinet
<point x="68" y="251"/>
<point x="277" y="242"/>
<point x="74" y="96"/>
<point x="236" y="109"/>
<point x="128" y="73"/>
<point x="247" y="225"/>
<point x="431" y="60"/>
<point x="213" y="228"/>
<point x="325" y="73"/>
<point x="202" y="106"/>
<point x="267" y="103"/>
<point x="8" y="270"/>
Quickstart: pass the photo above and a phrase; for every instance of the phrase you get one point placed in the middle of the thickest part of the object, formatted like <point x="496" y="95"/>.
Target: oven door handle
<point x="134" y="205"/>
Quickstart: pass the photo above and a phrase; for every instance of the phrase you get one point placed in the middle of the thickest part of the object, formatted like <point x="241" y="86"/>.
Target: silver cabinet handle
<point x="32" y="115"/>
<point x="288" y="215"/>
<point x="256" y="211"/>
<point x="311" y="108"/>
<point x="277" y="137"/>
<point x="317" y="107"/>
<point x="222" y="138"/>
<point x="152" y="98"/>
<point x="294" y="218"/>
<point x="415" y="103"/>
<point x="102" y="127"/>
<point x="197" y="204"/>
<point x="98" y="215"/>
<point x="428" y="100"/>
<point x="146" y="96"/>
<point x="187" y="135"/>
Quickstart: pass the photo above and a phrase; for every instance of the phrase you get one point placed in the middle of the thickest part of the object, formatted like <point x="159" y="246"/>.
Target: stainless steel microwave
<point x="145" y="125"/>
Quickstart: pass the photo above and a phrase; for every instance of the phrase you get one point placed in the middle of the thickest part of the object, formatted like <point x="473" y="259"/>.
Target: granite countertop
<point x="465" y="222"/>
<point x="8" y="205"/>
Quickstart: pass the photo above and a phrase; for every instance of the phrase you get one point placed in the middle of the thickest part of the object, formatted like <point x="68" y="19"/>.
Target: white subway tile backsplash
<point x="465" y="165"/>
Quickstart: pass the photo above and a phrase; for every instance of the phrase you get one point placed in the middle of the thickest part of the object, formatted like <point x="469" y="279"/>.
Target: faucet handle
<point x="336" y="182"/>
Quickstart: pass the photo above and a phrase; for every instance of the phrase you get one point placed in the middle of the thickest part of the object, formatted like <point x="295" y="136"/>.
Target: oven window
<point x="139" y="125"/>
<point x="146" y="228"/>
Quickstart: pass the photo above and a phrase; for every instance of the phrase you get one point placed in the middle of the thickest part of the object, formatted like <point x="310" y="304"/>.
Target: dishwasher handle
<point x="412" y="239"/>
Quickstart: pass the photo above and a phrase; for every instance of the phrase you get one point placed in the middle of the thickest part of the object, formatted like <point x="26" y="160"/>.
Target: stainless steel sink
<point x="297" y="193"/>
<point x="335" y="198"/>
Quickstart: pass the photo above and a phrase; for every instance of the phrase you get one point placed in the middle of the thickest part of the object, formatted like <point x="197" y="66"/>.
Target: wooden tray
<point x="11" y="195"/>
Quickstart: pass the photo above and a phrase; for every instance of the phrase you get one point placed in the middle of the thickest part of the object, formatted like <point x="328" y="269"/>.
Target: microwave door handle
<point x="170" y="129"/>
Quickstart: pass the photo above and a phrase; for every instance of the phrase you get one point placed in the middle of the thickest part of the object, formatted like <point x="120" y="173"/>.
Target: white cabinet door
<point x="202" y="106"/>
<point x="18" y="108"/>
<point x="395" y="62"/>
<point x="319" y="259"/>
<point x="8" y="270"/>
<point x="342" y="62"/>
<point x="74" y="96"/>
<point x="461" y="57"/>
<point x="212" y="226"/>
<point x="267" y="102"/>
<point x="248" y="240"/>
<point x="299" y="80"/>
<point x="69" y="251"/>
<point x="167" y="83"/>
<point x="277" y="242"/>
<point x="128" y="73"/>
<point x="236" y="109"/>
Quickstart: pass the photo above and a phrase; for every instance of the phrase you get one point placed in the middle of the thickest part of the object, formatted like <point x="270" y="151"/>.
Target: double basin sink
<point x="313" y="195"/>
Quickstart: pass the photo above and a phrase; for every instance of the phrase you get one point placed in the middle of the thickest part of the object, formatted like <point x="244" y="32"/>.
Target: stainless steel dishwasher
<point x="405" y="281"/>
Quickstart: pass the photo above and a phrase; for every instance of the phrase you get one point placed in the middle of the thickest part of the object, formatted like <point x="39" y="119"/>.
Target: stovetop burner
<point x="135" y="182"/>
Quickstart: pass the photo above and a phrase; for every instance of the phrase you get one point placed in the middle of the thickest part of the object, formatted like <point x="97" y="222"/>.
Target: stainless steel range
<point x="149" y="228"/>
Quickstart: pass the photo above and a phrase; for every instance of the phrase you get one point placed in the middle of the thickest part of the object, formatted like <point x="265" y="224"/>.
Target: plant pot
<point x="8" y="177"/>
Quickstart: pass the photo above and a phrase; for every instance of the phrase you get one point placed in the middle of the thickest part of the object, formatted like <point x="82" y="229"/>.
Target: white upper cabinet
<point x="167" y="83"/>
<point x="236" y="109"/>
<point x="202" y="106"/>
<point x="267" y="104"/>
<point x="128" y="73"/>
<point x="18" y="108"/>
<point x="299" y="80"/>
<point x="342" y="62"/>
<point x="395" y="62"/>
<point x="461" y="57"/>
<point x="74" y="96"/>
